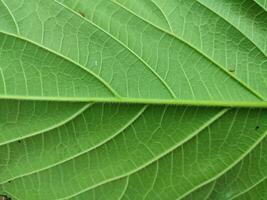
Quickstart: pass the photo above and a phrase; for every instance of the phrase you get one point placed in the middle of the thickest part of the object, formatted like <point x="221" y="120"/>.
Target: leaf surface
<point x="172" y="68"/>
<point x="131" y="100"/>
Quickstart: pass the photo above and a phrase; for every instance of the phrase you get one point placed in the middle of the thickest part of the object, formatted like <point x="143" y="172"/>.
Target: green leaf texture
<point x="133" y="99"/>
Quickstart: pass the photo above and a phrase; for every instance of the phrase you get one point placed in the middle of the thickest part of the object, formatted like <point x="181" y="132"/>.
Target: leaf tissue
<point x="133" y="100"/>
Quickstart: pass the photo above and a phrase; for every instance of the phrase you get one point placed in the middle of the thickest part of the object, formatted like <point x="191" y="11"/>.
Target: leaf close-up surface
<point x="133" y="100"/>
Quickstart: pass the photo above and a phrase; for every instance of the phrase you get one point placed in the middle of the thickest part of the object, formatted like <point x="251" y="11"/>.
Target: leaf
<point x="222" y="59"/>
<point x="243" y="177"/>
<point x="127" y="81"/>
<point x="21" y="119"/>
<point x="144" y="99"/>
<point x="201" y="193"/>
<point x="262" y="3"/>
<point x="115" y="191"/>
<point x="91" y="128"/>
<point x="259" y="191"/>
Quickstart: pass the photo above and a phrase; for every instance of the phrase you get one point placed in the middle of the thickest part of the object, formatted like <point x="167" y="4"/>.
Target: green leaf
<point x="191" y="36"/>
<point x="257" y="192"/>
<point x="86" y="43"/>
<point x="243" y="177"/>
<point x="133" y="99"/>
<point x="262" y="3"/>
<point x="201" y="193"/>
<point x="21" y="119"/>
<point x="115" y="191"/>
<point x="91" y="128"/>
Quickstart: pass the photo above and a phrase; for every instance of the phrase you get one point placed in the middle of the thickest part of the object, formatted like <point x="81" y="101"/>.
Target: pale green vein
<point x="243" y="84"/>
<point x="230" y="104"/>
<point x="126" y="47"/>
<point x="125" y="188"/>
<point x="154" y="181"/>
<point x="11" y="195"/>
<point x="3" y="80"/>
<point x="60" y="123"/>
<point x="228" y="167"/>
<point x="165" y="18"/>
<point x="192" y="194"/>
<point x="201" y="128"/>
<point x="12" y="16"/>
<point x="235" y="27"/>
<point x="105" y="84"/>
<point x="212" y="187"/>
<point x="248" y="189"/>
<point x="132" y="120"/>
<point x="264" y="6"/>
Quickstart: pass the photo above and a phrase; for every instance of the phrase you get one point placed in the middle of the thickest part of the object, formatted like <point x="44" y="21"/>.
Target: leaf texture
<point x="132" y="100"/>
<point x="172" y="69"/>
